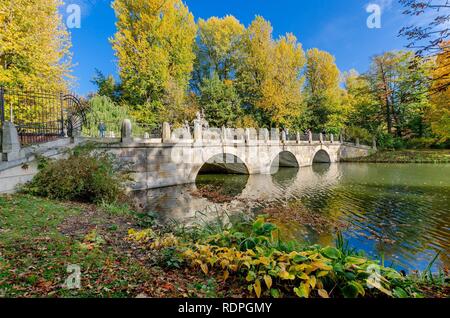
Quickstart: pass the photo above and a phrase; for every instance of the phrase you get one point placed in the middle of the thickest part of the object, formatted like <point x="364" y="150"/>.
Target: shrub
<point x="421" y="143"/>
<point x="266" y="266"/>
<point x="387" y="141"/>
<point x="80" y="177"/>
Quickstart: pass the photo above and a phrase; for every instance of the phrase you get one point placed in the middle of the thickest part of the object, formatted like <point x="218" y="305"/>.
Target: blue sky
<point x="337" y="26"/>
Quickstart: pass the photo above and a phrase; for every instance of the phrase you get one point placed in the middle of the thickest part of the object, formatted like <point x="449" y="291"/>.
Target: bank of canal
<point x="398" y="212"/>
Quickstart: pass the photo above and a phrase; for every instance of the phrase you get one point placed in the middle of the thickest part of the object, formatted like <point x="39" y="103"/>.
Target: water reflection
<point x="399" y="211"/>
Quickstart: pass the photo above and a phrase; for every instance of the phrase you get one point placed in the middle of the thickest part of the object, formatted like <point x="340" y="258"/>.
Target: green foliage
<point x="106" y="86"/>
<point x="103" y="109"/>
<point x="116" y="208"/>
<point x="81" y="177"/>
<point x="172" y="258"/>
<point x="254" y="255"/>
<point x="154" y="46"/>
<point x="220" y="101"/>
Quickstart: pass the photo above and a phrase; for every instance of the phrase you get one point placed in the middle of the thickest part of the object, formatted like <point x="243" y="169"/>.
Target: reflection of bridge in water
<point x="248" y="192"/>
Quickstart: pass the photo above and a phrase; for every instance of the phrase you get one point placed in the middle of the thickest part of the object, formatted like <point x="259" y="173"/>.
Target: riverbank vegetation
<point x="407" y="156"/>
<point x="123" y="253"/>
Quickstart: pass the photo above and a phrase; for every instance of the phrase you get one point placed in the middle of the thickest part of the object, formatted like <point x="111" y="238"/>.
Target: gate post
<point x="61" y="103"/>
<point x="2" y="104"/>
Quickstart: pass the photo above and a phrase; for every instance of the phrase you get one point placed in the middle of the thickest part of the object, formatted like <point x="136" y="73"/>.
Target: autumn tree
<point x="34" y="45"/>
<point x="322" y="90"/>
<point x="154" y="46"/>
<point x="219" y="46"/>
<point x="439" y="115"/>
<point x="269" y="75"/>
<point x="399" y="82"/>
<point x="429" y="37"/>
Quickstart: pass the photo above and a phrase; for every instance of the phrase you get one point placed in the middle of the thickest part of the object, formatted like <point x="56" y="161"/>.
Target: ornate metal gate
<point x="41" y="116"/>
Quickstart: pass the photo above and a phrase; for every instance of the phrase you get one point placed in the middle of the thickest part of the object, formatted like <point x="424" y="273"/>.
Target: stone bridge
<point x="179" y="156"/>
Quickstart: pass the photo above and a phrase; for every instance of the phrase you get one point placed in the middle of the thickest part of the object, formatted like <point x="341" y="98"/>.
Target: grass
<point x="39" y="238"/>
<point x="407" y="156"/>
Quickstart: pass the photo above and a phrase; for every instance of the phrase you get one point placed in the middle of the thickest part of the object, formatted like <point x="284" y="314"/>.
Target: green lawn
<point x="408" y="156"/>
<point x="39" y="238"/>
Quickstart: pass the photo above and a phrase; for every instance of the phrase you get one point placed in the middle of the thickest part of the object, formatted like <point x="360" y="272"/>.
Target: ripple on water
<point x="400" y="211"/>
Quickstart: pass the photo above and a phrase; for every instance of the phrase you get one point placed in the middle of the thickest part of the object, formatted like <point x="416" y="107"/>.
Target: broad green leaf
<point x="251" y="276"/>
<point x="331" y="252"/>
<point x="275" y="293"/>
<point x="400" y="293"/>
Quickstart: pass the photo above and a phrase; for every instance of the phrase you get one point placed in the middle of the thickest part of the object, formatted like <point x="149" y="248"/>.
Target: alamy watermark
<point x="73" y="281"/>
<point x="73" y="18"/>
<point x="374" y="19"/>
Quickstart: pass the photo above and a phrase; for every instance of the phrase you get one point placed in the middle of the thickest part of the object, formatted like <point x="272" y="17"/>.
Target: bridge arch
<point x="224" y="162"/>
<point x="285" y="159"/>
<point x="321" y="156"/>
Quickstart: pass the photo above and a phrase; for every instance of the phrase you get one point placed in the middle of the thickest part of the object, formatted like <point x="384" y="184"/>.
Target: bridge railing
<point x="232" y="135"/>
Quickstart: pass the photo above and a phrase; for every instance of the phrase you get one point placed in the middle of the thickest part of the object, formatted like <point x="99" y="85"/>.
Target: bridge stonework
<point x="178" y="157"/>
<point x="175" y="162"/>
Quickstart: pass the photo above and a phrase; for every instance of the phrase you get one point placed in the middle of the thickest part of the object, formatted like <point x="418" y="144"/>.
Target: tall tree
<point x="154" y="47"/>
<point x="362" y="106"/>
<point x="439" y="115"/>
<point x="399" y="81"/>
<point x="322" y="89"/>
<point x="34" y="45"/>
<point x="219" y="46"/>
<point x="429" y="35"/>
<point x="269" y="75"/>
<point x="220" y="101"/>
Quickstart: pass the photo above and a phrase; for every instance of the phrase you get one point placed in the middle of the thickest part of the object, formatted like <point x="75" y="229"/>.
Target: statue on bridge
<point x="200" y="119"/>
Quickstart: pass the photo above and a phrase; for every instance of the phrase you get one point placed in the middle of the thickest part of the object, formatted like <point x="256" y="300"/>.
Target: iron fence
<point x="40" y="116"/>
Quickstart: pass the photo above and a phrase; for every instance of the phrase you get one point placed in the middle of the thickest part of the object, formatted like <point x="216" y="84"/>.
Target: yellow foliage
<point x="140" y="236"/>
<point x="154" y="47"/>
<point x="270" y="73"/>
<point x="34" y="45"/>
<point x="439" y="115"/>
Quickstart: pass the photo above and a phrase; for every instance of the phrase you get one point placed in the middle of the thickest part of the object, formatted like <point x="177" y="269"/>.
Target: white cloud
<point x="385" y="5"/>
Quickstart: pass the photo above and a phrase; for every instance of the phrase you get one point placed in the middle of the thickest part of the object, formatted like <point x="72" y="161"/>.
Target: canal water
<point x="396" y="212"/>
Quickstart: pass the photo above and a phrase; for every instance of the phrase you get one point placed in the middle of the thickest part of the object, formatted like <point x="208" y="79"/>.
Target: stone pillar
<point x="341" y="138"/>
<point x="146" y="135"/>
<point x="264" y="134"/>
<point x="321" y="138"/>
<point x="275" y="134"/>
<point x="166" y="133"/>
<point x="197" y="132"/>
<point x="283" y="136"/>
<point x="224" y="134"/>
<point x="332" y="138"/>
<point x="247" y="135"/>
<point x="357" y="142"/>
<point x="10" y="142"/>
<point x="126" y="131"/>
<point x="297" y="137"/>
<point x="310" y="137"/>
<point x="374" y="143"/>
